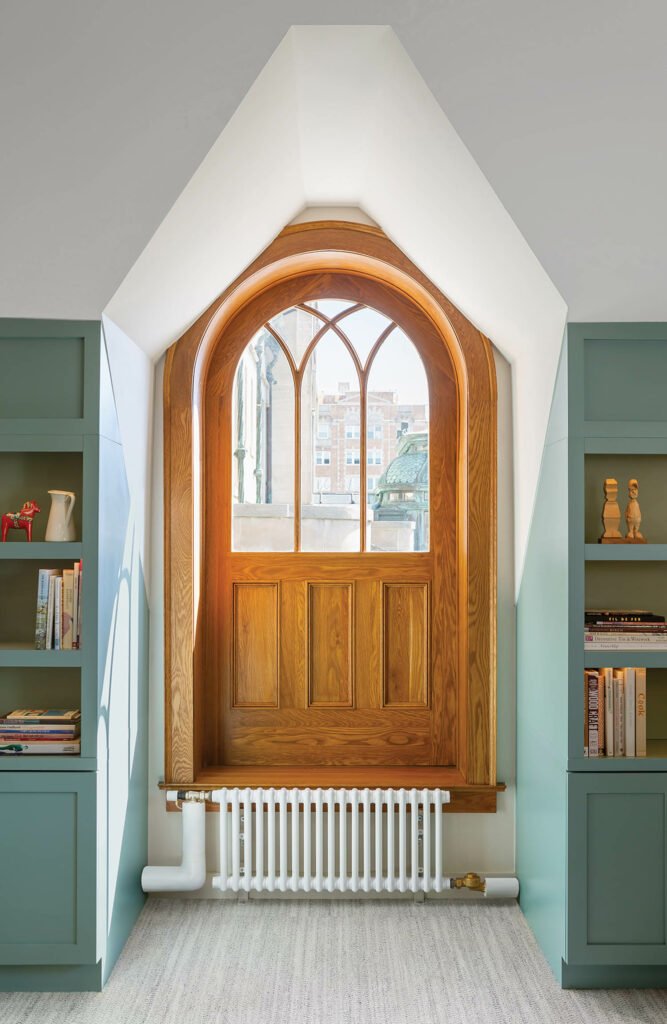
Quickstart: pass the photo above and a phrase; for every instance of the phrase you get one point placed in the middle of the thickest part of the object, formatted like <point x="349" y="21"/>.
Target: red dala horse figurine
<point x="20" y="520"/>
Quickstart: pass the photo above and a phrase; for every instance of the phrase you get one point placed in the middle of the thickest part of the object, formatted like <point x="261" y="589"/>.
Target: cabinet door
<point x="617" y="864"/>
<point x="47" y="868"/>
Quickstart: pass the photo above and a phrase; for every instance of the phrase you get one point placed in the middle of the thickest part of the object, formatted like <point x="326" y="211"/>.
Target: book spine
<point x="50" y="612"/>
<point x="640" y="712"/>
<point x="42" y="603"/>
<point x="58" y="615"/>
<point x="75" y="606"/>
<point x="629" y="687"/>
<point x="38" y="730"/>
<point x="585" y="714"/>
<point x="69" y="716"/>
<point x="603" y="636"/>
<point x="80" y="624"/>
<point x="619" y="716"/>
<point x="608" y="711"/>
<point x="641" y="619"/>
<point x="30" y="737"/>
<point x="22" y="747"/>
<point x="625" y="645"/>
<point x="68" y="609"/>
<point x="601" y="713"/>
<point x="593" y="714"/>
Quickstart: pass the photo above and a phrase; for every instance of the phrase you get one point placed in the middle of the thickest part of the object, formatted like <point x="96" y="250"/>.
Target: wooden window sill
<point x="465" y="797"/>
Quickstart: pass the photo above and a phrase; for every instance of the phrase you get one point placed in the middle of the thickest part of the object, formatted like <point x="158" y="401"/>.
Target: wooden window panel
<point x="317" y="257"/>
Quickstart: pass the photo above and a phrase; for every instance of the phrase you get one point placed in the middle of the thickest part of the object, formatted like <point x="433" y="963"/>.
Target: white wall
<point x="475" y="842"/>
<point x="341" y="116"/>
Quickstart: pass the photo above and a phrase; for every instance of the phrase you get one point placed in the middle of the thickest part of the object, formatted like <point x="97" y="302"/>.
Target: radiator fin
<point x="380" y="840"/>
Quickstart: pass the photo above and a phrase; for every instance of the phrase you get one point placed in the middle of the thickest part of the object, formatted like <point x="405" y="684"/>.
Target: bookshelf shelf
<point x="626" y="552"/>
<point x="622" y="659"/>
<point x="43" y="551"/>
<point x="46" y="763"/>
<point x="656" y="761"/>
<point x="25" y="656"/>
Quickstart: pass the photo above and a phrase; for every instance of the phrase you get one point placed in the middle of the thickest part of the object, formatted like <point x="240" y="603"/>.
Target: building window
<point x="323" y="431"/>
<point x="322" y="457"/>
<point x="322" y="484"/>
<point x="374" y="432"/>
<point x="352" y="457"/>
<point x="374" y="457"/>
<point x="352" y="431"/>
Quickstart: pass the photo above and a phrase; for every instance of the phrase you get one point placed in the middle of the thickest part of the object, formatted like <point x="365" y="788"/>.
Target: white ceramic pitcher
<point x="60" y="525"/>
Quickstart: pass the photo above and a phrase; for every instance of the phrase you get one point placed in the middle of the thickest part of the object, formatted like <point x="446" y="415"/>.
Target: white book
<point x="617" y="645"/>
<point x="608" y="675"/>
<point x="43" y="577"/>
<point x="75" y="608"/>
<point x="640" y="712"/>
<point x="619" y="715"/>
<point x="58" y="614"/>
<point x="629" y="687"/>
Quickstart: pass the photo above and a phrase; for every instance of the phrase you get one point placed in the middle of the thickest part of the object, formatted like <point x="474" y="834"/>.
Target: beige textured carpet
<point x="213" y="962"/>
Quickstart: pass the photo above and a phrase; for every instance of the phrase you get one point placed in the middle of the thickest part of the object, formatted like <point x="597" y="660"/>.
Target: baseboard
<point x="610" y="976"/>
<point x="51" y="978"/>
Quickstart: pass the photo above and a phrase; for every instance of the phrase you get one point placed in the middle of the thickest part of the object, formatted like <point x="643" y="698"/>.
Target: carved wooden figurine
<point x="20" y="520"/>
<point x="611" y="514"/>
<point x="633" y="515"/>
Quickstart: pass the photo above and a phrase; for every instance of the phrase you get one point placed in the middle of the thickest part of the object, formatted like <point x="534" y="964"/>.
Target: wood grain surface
<point x="340" y="260"/>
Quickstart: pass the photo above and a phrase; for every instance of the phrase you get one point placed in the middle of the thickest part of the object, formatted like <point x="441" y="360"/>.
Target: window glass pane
<point x="397" y="411"/>
<point x="330" y="307"/>
<point x="296" y="329"/>
<point x="362" y="329"/>
<point x="330" y="449"/>
<point x="263" y="449"/>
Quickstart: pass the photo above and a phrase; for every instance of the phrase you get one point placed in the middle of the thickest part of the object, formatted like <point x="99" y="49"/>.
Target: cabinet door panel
<point x="47" y="868"/>
<point x="617" y="910"/>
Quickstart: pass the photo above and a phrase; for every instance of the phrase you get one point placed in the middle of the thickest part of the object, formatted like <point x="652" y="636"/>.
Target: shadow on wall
<point x="123" y="654"/>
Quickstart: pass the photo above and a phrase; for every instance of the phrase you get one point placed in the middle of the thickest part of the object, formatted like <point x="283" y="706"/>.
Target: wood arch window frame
<point x="365" y="252"/>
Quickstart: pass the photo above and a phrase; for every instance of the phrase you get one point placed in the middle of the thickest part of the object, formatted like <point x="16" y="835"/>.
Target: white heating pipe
<point x="190" y="874"/>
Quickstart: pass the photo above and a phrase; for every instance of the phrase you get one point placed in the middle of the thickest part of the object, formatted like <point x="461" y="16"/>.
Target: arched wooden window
<point x="330" y="488"/>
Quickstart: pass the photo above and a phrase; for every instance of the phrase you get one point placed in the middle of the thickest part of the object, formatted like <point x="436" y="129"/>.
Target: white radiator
<point x="331" y="840"/>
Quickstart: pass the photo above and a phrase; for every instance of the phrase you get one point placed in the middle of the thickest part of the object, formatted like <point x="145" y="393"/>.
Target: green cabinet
<point x="617" y="868"/>
<point x="48" y="876"/>
<point x="591" y="832"/>
<point x="73" y="832"/>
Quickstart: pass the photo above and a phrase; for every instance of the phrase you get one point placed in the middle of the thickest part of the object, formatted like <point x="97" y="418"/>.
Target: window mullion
<point x="363" y="459"/>
<point x="297" y="460"/>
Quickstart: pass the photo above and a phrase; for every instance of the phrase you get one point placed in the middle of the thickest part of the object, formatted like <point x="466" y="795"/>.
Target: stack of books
<point x="615" y="712"/>
<point x="27" y="731"/>
<point x="58" y="620"/>
<point x="633" y="630"/>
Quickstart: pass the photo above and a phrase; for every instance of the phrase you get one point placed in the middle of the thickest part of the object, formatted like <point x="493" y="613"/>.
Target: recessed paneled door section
<point x="332" y="541"/>
<point x="331" y="667"/>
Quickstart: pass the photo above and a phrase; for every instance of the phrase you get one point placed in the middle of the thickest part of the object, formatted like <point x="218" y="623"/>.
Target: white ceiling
<point x="340" y="113"/>
<point x="108" y="108"/>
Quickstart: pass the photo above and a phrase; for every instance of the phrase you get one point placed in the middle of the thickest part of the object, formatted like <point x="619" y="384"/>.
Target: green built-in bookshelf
<point x="58" y="430"/>
<point x="588" y="825"/>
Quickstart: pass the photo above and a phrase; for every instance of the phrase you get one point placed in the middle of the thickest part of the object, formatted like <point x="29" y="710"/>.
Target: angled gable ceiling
<point x="341" y="115"/>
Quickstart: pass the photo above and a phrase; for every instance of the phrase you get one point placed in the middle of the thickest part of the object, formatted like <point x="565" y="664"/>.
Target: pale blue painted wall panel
<point x="542" y="669"/>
